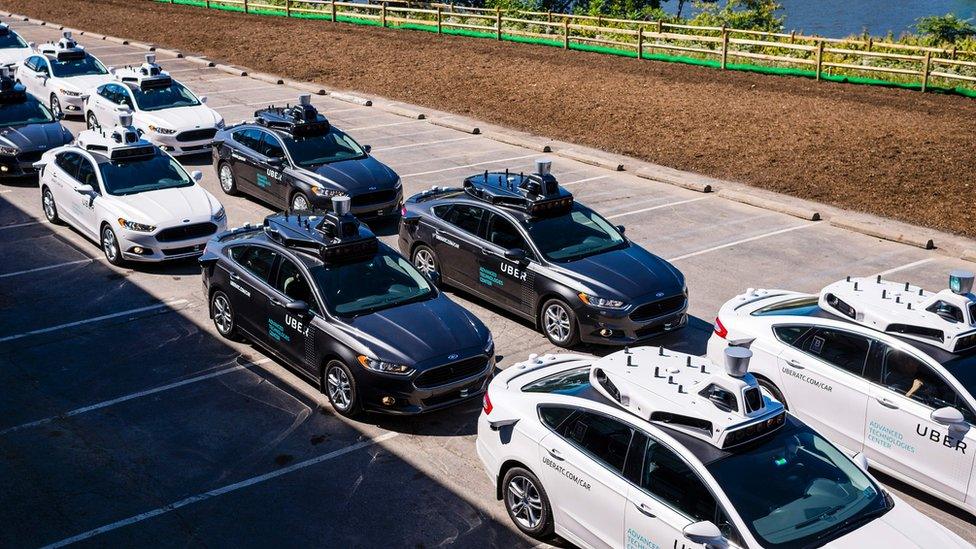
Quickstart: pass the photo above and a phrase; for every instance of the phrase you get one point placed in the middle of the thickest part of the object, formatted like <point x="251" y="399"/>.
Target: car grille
<point x="31" y="156"/>
<point x="443" y="375"/>
<point x="469" y="390"/>
<point x="184" y="250"/>
<point x="196" y="135"/>
<point x="378" y="197"/>
<point x="658" y="308"/>
<point x="186" y="232"/>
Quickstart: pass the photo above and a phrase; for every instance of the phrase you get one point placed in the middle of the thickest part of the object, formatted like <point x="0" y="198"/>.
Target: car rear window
<point x="804" y="306"/>
<point x="568" y="382"/>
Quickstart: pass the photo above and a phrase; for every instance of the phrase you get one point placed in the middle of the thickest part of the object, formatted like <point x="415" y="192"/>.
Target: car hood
<point x="14" y="55"/>
<point x="33" y="137"/>
<point x="358" y="175"/>
<point x="180" y="118"/>
<point x="168" y="207"/>
<point x="901" y="527"/>
<point x="82" y="84"/>
<point x="624" y="274"/>
<point x="417" y="332"/>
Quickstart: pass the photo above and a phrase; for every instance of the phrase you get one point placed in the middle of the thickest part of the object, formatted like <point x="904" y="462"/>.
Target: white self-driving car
<point x="60" y="74"/>
<point x="168" y="113"/>
<point x="885" y="369"/>
<point x="649" y="448"/>
<point x="13" y="48"/>
<point x="128" y="195"/>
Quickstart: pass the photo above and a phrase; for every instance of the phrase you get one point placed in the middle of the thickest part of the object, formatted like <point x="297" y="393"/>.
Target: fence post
<point x="725" y="46"/>
<point x="925" y="71"/>
<point x="287" y="8"/>
<point x="383" y="15"/>
<point x="792" y="36"/>
<point x="566" y="34"/>
<point x="870" y="42"/>
<point x="660" y="26"/>
<point x="245" y="6"/>
<point x="438" y="19"/>
<point x="819" y="58"/>
<point x="207" y="3"/>
<point x="333" y="11"/>
<point x="640" y="43"/>
<point x="952" y="53"/>
<point x="498" y="23"/>
<point x="550" y="16"/>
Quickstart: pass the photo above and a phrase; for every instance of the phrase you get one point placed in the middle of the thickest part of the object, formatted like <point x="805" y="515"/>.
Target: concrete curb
<point x="310" y="87"/>
<point x="200" y="61"/>
<point x="350" y="98"/>
<point x="401" y="110"/>
<point x="143" y="46"/>
<point x="968" y="255"/>
<point x="456" y="125"/>
<point x="117" y="40"/>
<point x="230" y="69"/>
<point x="527" y="141"/>
<point x="655" y="175"/>
<point x="592" y="159"/>
<point x="770" y="204"/>
<point x="167" y="51"/>
<point x="883" y="232"/>
<point x="265" y="77"/>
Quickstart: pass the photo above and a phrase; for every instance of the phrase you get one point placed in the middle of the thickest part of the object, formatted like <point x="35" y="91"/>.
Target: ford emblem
<point x="453" y="357"/>
<point x="659" y="294"/>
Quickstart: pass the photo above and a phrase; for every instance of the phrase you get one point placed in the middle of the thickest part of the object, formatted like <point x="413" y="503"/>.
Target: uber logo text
<point x="513" y="272"/>
<point x="296" y="325"/>
<point x="935" y="436"/>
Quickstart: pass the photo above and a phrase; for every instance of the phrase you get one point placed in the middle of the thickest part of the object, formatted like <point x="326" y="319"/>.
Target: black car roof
<point x="459" y="196"/>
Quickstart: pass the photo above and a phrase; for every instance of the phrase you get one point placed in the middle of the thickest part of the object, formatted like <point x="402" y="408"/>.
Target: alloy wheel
<point x="226" y="178"/>
<point x="110" y="245"/>
<point x="556" y="322"/>
<point x="222" y="314"/>
<point x="340" y="390"/>
<point x="424" y="261"/>
<point x="524" y="502"/>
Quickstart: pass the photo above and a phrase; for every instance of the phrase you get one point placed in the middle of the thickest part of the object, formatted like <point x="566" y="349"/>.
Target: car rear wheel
<point x="769" y="389"/>
<point x="527" y="503"/>
<point x="223" y="315"/>
<point x="300" y="202"/>
<point x="425" y="260"/>
<point x="558" y="323"/>
<point x="91" y="122"/>
<point x="56" y="106"/>
<point x="50" y="208"/>
<point x="228" y="183"/>
<point x="110" y="245"/>
<point x="339" y="385"/>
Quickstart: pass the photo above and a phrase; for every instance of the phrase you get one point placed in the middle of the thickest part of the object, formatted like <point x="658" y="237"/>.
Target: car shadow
<point x="21" y="181"/>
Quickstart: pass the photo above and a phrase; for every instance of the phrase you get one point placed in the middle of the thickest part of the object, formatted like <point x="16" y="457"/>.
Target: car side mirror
<point x="705" y="533"/>
<point x="297" y="306"/>
<point x="515" y="254"/>
<point x="621" y="229"/>
<point x="276" y="160"/>
<point x="203" y="99"/>
<point x="368" y="148"/>
<point x="948" y="416"/>
<point x="84" y="189"/>
<point x="861" y="461"/>
<point x="197" y="175"/>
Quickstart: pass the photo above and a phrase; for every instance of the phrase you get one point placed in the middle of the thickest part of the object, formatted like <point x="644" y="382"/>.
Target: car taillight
<point x="720" y="329"/>
<point x="487" y="404"/>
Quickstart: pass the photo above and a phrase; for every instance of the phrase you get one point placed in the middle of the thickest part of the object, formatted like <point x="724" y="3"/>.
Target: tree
<point x="938" y="29"/>
<point x="740" y="14"/>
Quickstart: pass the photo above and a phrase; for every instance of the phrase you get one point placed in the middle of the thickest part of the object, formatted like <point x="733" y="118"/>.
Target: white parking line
<point x="585" y="180"/>
<point x="743" y="241"/>
<point x="336" y="111"/>
<point x="15" y="225"/>
<point x="252" y="104"/>
<point x="191" y="69"/>
<point x="383" y="125"/>
<point x="46" y="267"/>
<point x="141" y="54"/>
<point x="658" y="207"/>
<point x="425" y="143"/>
<point x="906" y="266"/>
<point x="163" y="305"/>
<point x="472" y="165"/>
<point x="118" y="400"/>
<point x="5" y="191"/>
<point x="223" y="490"/>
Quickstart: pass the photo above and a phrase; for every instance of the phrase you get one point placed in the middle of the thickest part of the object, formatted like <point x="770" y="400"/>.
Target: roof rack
<point x="65" y="49"/>
<point x="301" y="120"/>
<point x="149" y="75"/>
<point x="720" y="404"/>
<point x="537" y="194"/>
<point x="121" y="143"/>
<point x="946" y="319"/>
<point x="336" y="236"/>
<point x="10" y="90"/>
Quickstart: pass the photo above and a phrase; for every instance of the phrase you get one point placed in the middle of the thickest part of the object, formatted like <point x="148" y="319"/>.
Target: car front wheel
<point x="527" y="503"/>
<point x="223" y="315"/>
<point x="56" y="106"/>
<point x="110" y="245"/>
<point x="228" y="183"/>
<point x="50" y="208"/>
<point x="339" y="385"/>
<point x="300" y="202"/>
<point x="91" y="122"/>
<point x="558" y="323"/>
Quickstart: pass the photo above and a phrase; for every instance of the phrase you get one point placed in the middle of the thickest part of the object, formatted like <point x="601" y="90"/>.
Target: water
<point x="839" y="18"/>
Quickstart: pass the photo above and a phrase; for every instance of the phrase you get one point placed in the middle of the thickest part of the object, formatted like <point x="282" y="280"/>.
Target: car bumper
<point x="617" y="328"/>
<point x="170" y="144"/>
<point x="410" y="400"/>
<point x="367" y="211"/>
<point x="145" y="248"/>
<point x="11" y="167"/>
<point x="71" y="104"/>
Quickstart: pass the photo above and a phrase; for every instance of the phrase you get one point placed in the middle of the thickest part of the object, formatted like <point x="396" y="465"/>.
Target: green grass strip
<point x="558" y="43"/>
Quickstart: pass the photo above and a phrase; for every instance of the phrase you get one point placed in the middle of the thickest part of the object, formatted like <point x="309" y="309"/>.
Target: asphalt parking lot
<point x="127" y="419"/>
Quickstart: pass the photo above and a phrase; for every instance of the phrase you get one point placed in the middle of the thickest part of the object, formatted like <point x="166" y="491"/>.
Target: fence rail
<point x="818" y="56"/>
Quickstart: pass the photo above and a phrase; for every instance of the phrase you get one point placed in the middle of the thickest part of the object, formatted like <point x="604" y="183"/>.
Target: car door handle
<point x="886" y="403"/>
<point x="795" y="364"/>
<point x="646" y="509"/>
<point x="276" y="302"/>
<point x="556" y="454"/>
<point x="235" y="276"/>
<point x="487" y="251"/>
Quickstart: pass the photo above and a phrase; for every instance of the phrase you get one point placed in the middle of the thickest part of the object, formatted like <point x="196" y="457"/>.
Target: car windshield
<point x="85" y="66"/>
<point x="380" y="282"/>
<point x="323" y="149"/>
<point x="171" y="97"/>
<point x="819" y="493"/>
<point x="139" y="176"/>
<point x="23" y="113"/>
<point x="11" y="40"/>
<point x="576" y="235"/>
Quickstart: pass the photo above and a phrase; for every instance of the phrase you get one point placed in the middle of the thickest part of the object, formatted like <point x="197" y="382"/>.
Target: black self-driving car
<point x="348" y="312"/>
<point x="27" y="130"/>
<point x="292" y="157"/>
<point x="521" y="242"/>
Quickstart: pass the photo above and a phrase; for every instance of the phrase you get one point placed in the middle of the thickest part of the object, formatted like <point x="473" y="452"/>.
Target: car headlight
<point x="161" y="131"/>
<point x="220" y="124"/>
<point x="601" y="302"/>
<point x="384" y="367"/>
<point x="220" y="214"/>
<point x="138" y="227"/>
<point x="319" y="190"/>
<point x="398" y="184"/>
<point x="69" y="93"/>
<point x="9" y="151"/>
<point x="490" y="345"/>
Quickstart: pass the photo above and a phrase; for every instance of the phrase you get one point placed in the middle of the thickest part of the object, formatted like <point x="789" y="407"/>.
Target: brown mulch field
<point x="890" y="152"/>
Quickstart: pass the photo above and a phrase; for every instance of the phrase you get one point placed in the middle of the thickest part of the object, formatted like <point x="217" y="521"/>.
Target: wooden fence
<point x="820" y="56"/>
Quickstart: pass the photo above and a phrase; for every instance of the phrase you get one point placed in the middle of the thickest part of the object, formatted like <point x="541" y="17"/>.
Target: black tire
<point x="110" y="246"/>
<point x="55" y="106"/>
<point x="299" y="198"/>
<point x="335" y="376"/>
<point x="773" y="391"/>
<point x="225" y="176"/>
<point x="519" y="478"/>
<point x="567" y="333"/>
<point x="91" y="122"/>
<point x="222" y="312"/>
<point x="425" y="260"/>
<point x="50" y="207"/>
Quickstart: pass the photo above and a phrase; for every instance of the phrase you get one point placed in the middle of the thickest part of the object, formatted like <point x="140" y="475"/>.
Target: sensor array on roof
<point x="301" y="120"/>
<point x="121" y="143"/>
<point x="148" y="76"/>
<point x="336" y="236"/>
<point x="537" y="194"/>
<point x="65" y="49"/>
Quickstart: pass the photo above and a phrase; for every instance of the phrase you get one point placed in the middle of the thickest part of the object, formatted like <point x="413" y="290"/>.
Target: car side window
<point x="270" y="146"/>
<point x="845" y="350"/>
<point x="790" y="335"/>
<point x="42" y="66"/>
<point x="86" y="173"/>
<point x="250" y="138"/>
<point x="914" y="379"/>
<point x="257" y="260"/>
<point x="293" y="284"/>
<point x="69" y="163"/>
<point x="120" y="96"/>
<point x="105" y="91"/>
<point x="603" y="438"/>
<point x="554" y="416"/>
<point x="664" y="475"/>
<point x="504" y="234"/>
<point x="465" y="217"/>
